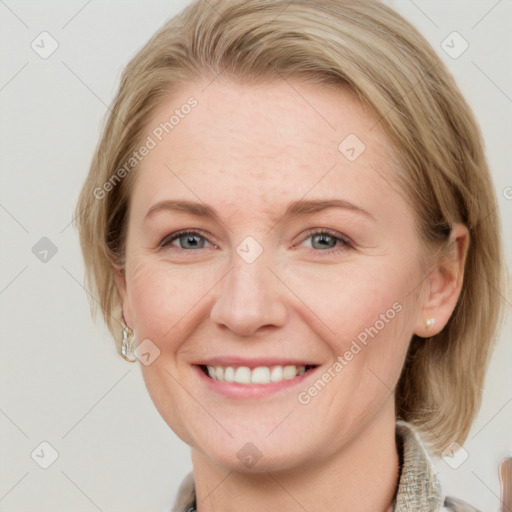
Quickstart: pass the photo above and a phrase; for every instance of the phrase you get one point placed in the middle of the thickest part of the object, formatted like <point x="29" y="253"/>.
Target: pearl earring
<point x="429" y="322"/>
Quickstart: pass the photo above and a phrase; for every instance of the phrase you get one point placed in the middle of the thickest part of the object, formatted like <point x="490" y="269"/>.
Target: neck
<point x="360" y="476"/>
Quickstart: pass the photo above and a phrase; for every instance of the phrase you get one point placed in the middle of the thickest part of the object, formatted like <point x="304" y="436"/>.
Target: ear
<point x="444" y="284"/>
<point x="120" y="280"/>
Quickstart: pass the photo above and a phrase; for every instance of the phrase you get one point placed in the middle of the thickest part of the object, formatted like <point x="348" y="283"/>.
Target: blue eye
<point x="323" y="240"/>
<point x="327" y="241"/>
<point x="188" y="240"/>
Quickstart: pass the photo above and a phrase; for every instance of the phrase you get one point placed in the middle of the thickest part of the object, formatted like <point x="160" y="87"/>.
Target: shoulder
<point x="455" y="505"/>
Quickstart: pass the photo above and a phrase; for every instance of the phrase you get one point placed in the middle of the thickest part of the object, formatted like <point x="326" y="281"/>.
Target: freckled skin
<point x="248" y="151"/>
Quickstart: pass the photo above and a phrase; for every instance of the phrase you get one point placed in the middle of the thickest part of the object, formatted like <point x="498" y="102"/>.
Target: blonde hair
<point x="381" y="57"/>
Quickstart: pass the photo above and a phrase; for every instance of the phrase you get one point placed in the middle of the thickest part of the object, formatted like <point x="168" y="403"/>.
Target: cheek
<point x="364" y="315"/>
<point x="167" y="300"/>
<point x="154" y="297"/>
<point x="382" y="313"/>
<point x="168" y="391"/>
<point x="164" y="303"/>
<point x="368" y="314"/>
<point x="349" y="299"/>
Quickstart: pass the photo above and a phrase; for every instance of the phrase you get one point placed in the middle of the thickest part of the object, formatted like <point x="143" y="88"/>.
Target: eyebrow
<point x="294" y="209"/>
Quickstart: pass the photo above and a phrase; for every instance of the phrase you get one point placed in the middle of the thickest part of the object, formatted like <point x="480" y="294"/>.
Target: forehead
<point x="263" y="145"/>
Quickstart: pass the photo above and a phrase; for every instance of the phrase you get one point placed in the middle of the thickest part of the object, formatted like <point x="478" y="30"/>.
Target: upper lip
<point x="254" y="362"/>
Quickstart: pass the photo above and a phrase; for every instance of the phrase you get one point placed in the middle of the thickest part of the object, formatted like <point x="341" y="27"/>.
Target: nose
<point x="250" y="298"/>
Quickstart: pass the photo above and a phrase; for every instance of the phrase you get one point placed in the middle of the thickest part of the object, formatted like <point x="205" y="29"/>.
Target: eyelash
<point x="345" y="241"/>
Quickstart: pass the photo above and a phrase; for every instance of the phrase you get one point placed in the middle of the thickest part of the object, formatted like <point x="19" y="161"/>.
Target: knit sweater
<point x="419" y="489"/>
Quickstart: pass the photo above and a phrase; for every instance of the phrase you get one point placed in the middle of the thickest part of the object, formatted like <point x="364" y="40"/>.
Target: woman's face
<point x="299" y="253"/>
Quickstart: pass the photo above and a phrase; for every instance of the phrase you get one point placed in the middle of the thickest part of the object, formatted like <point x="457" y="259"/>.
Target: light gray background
<point x="61" y="381"/>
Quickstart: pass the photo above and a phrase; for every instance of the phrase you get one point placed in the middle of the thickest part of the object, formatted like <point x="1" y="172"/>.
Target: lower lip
<point x="243" y="391"/>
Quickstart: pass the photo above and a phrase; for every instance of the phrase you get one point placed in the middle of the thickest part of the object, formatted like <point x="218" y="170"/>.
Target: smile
<point x="260" y="375"/>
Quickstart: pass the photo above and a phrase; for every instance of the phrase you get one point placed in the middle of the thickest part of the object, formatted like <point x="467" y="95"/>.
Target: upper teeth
<point x="259" y="375"/>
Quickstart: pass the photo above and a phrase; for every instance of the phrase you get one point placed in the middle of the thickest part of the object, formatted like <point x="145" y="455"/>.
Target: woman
<point x="289" y="221"/>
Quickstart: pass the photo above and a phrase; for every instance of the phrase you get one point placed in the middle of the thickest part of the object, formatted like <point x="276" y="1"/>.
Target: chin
<point x="253" y="453"/>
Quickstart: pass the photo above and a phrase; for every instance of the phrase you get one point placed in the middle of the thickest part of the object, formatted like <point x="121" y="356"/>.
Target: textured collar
<point x="418" y="489"/>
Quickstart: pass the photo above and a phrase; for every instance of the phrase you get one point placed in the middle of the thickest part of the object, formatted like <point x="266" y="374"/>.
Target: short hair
<point x="374" y="52"/>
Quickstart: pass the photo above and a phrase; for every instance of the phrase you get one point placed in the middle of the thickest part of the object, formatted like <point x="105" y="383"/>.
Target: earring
<point x="127" y="345"/>
<point x="429" y="322"/>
